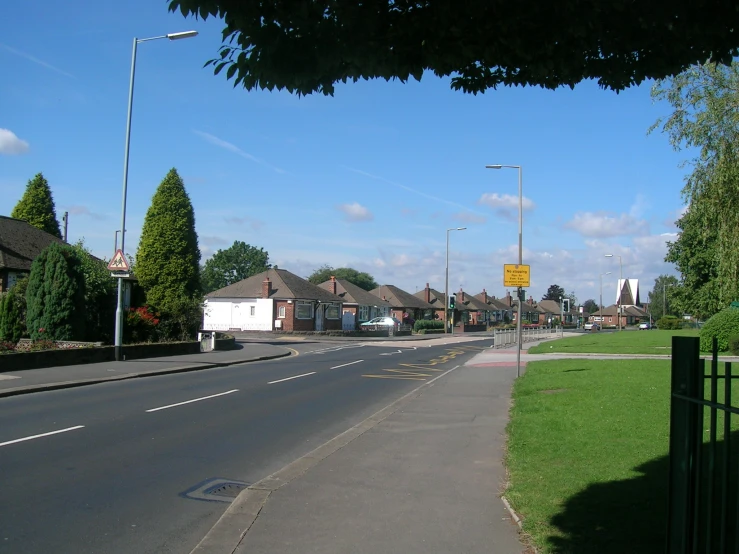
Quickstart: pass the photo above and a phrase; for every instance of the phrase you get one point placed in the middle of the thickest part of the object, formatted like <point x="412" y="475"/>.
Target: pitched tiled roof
<point x="471" y="304"/>
<point x="398" y="298"/>
<point x="21" y="243"/>
<point x="436" y="298"/>
<point x="352" y="294"/>
<point x="284" y="285"/>
<point x="497" y="304"/>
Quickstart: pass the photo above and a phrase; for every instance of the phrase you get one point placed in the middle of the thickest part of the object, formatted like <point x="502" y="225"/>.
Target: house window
<point x="610" y="320"/>
<point x="252" y="311"/>
<point x="364" y="313"/>
<point x="281" y="311"/>
<point x="332" y="311"/>
<point x="304" y="311"/>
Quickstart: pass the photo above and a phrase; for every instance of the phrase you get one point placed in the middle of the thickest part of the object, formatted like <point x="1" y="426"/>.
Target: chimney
<point x="332" y="285"/>
<point x="427" y="294"/>
<point x="266" y="288"/>
<point x="460" y="295"/>
<point x="484" y="296"/>
<point x="531" y="300"/>
<point x="508" y="298"/>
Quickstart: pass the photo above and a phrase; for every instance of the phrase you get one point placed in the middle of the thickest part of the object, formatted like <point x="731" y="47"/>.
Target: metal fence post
<point x="684" y="426"/>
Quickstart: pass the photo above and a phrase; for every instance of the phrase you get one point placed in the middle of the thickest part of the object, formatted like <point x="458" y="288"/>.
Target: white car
<point x="592" y="327"/>
<point x="645" y="325"/>
<point x="385" y="321"/>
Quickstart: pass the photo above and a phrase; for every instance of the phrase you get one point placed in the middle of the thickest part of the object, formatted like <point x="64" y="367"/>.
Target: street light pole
<point x="664" y="297"/>
<point x="601" y="295"/>
<point x="119" y="306"/>
<point x="520" y="255"/>
<point x="620" y="287"/>
<point x="446" y="282"/>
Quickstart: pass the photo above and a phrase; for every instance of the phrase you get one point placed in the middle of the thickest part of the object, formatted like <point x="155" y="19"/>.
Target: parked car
<point x="645" y="326"/>
<point x="592" y="327"/>
<point x="385" y="321"/>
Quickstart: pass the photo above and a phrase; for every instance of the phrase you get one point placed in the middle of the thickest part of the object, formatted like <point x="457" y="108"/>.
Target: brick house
<point x="497" y="309"/>
<point x="436" y="299"/>
<point x="272" y="300"/>
<point x="630" y="315"/>
<point x="470" y="311"/>
<point x="20" y="244"/>
<point x="403" y="305"/>
<point x="361" y="305"/>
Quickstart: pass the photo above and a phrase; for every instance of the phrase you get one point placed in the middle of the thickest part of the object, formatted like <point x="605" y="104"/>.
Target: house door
<point x="348" y="321"/>
<point x="236" y="316"/>
<point x="319" y="318"/>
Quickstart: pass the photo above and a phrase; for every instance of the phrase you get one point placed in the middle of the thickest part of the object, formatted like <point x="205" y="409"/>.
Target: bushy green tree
<point x="590" y="306"/>
<point x="56" y="295"/>
<point x="661" y="297"/>
<point x="723" y="326"/>
<point x="168" y="258"/>
<point x="232" y="265"/>
<point x="37" y="206"/>
<point x="100" y="295"/>
<point x="12" y="327"/>
<point x="704" y="100"/>
<point x="360" y="278"/>
<point x="554" y="292"/>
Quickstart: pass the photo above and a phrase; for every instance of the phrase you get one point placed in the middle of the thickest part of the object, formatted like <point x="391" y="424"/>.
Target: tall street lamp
<point x="620" y="287"/>
<point x="664" y="297"/>
<point x="119" y="308"/>
<point x="446" y="283"/>
<point x="601" y="295"/>
<point x="520" y="255"/>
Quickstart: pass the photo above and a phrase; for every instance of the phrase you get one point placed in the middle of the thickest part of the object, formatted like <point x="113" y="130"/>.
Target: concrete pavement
<point x="53" y="378"/>
<point x="424" y="475"/>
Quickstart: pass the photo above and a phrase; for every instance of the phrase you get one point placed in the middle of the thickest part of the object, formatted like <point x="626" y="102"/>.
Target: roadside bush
<point x="428" y="324"/>
<point x="734" y="345"/>
<point x="141" y="325"/>
<point x="669" y="323"/>
<point x="723" y="326"/>
<point x="7" y="347"/>
<point x="181" y="321"/>
<point x="431" y="332"/>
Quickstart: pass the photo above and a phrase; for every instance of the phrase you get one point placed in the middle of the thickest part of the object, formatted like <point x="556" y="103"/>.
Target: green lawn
<point x="619" y="342"/>
<point x="587" y="454"/>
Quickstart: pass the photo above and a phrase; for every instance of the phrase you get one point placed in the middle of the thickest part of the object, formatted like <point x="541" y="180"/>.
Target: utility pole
<point x="65" y="219"/>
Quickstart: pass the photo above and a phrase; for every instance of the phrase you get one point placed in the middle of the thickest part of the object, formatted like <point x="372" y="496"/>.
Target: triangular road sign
<point x="118" y="263"/>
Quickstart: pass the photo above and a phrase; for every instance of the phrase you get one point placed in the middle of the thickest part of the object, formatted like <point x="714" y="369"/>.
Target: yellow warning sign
<point x="118" y="263"/>
<point x="515" y="275"/>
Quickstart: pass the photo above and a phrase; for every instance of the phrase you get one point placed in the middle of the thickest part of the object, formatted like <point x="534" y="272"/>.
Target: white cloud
<point x="10" y="144"/>
<point x="469" y="217"/>
<point x="355" y="212"/>
<point x="604" y="224"/>
<point x="84" y="210"/>
<point x="35" y="60"/>
<point x="236" y="150"/>
<point x="504" y="201"/>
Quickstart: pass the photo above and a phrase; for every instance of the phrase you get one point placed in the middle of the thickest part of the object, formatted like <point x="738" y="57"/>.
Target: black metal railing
<point x="703" y="510"/>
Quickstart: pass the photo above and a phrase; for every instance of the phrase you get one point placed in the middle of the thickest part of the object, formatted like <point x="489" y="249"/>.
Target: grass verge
<point x="623" y="342"/>
<point x="587" y="455"/>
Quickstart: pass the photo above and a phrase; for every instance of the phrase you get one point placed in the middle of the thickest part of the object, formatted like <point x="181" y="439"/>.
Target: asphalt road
<point x="112" y="467"/>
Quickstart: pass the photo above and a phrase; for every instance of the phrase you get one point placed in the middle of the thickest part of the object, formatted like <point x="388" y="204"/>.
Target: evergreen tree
<point x="11" y="317"/>
<point x="168" y="258"/>
<point x="56" y="295"/>
<point x="100" y="295"/>
<point x="37" y="206"/>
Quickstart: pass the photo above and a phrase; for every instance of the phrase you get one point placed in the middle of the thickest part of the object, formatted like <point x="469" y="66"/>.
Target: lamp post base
<point x="118" y="353"/>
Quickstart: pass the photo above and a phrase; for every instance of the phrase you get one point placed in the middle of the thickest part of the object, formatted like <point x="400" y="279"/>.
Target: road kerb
<point x="127" y="376"/>
<point x="228" y="532"/>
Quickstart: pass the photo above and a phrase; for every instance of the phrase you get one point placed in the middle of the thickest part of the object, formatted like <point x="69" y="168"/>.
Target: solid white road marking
<point x="391" y="353"/>
<point x="290" y="378"/>
<point x="41" y="435"/>
<point x="344" y="365"/>
<point x="191" y="401"/>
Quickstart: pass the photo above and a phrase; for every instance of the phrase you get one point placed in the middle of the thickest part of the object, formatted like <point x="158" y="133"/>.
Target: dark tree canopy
<point x="307" y="47"/>
<point x="360" y="278"/>
<point x="590" y="306"/>
<point x="234" y="264"/>
<point x="554" y="292"/>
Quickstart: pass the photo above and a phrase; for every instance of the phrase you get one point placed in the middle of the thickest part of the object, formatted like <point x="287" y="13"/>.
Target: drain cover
<point x="215" y="489"/>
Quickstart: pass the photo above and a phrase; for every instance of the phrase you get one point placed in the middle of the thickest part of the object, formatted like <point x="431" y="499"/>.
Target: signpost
<point x="119" y="264"/>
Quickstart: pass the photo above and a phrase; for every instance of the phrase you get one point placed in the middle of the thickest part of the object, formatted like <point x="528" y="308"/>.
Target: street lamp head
<point x="494" y="166"/>
<point x="183" y="34"/>
<point x="461" y="228"/>
<point x="609" y="255"/>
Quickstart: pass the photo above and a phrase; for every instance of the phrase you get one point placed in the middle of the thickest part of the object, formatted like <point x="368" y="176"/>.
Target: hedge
<point x="723" y="326"/>
<point x="428" y="324"/>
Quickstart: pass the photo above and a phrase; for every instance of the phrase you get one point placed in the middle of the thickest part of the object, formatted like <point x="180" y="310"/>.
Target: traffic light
<point x="522" y="295"/>
<point x="452" y="301"/>
<point x="566" y="304"/>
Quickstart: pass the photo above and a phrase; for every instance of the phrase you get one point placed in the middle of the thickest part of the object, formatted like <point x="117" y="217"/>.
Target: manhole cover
<point x="216" y="489"/>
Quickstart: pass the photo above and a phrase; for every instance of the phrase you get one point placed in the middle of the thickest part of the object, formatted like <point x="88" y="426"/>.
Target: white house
<point x="273" y="299"/>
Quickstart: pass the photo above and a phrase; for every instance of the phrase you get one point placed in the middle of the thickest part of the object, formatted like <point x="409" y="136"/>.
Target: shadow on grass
<point x="583" y="369"/>
<point x="630" y="515"/>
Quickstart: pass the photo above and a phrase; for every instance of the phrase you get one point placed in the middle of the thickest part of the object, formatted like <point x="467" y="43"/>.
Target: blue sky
<point x="370" y="178"/>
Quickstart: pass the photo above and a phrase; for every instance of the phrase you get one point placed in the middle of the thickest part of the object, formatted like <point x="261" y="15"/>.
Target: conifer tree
<point x="37" y="206"/>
